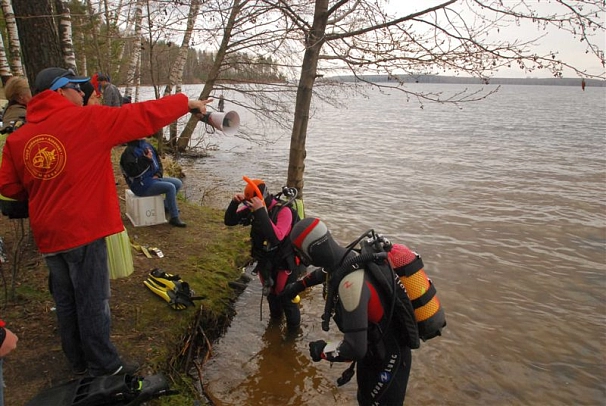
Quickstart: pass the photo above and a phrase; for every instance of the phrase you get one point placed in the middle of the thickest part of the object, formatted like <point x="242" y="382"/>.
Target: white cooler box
<point x="144" y="211"/>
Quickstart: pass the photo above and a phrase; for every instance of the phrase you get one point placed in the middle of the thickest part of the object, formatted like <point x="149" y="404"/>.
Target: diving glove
<point x="316" y="350"/>
<point x="291" y="290"/>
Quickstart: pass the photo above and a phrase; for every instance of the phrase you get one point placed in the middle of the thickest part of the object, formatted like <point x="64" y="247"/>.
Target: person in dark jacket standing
<point x="61" y="161"/>
<point x="142" y="169"/>
<point x="361" y="311"/>
<point x="111" y="95"/>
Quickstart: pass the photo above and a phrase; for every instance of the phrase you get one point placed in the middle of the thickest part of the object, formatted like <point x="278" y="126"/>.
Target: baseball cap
<point x="56" y="78"/>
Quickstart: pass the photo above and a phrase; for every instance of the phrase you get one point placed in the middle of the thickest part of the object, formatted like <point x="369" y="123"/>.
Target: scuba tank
<point x="418" y="300"/>
<point x="429" y="314"/>
<point x="373" y="257"/>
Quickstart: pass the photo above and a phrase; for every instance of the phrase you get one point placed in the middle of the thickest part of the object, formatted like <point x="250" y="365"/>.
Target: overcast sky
<point x="560" y="41"/>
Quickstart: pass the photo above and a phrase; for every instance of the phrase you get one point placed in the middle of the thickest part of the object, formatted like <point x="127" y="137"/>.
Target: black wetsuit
<point x="269" y="229"/>
<point x="383" y="365"/>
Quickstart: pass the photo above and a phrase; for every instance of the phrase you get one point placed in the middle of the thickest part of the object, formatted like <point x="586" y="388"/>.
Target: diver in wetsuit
<point x="271" y="224"/>
<point x="383" y="365"/>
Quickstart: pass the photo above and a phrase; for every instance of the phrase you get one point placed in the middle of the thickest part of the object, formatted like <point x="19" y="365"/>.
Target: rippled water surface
<point x="505" y="199"/>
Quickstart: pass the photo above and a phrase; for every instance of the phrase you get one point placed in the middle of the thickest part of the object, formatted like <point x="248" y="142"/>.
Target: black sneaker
<point x="176" y="221"/>
<point x="127" y="368"/>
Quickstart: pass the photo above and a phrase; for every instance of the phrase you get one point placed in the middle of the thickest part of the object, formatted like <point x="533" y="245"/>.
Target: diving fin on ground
<point x="171" y="288"/>
<point x="120" y="390"/>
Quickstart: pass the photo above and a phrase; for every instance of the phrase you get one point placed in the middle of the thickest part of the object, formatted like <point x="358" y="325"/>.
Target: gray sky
<point x="568" y="48"/>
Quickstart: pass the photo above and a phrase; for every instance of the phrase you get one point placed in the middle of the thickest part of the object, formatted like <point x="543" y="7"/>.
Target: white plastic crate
<point x="144" y="211"/>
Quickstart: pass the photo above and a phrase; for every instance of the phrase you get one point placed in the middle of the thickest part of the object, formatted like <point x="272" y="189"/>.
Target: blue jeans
<point x="79" y="283"/>
<point x="168" y="187"/>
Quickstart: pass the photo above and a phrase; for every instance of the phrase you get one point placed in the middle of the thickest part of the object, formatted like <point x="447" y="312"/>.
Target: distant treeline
<point x="475" y="81"/>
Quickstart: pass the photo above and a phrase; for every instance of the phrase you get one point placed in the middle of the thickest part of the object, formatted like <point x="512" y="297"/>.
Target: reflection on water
<point x="505" y="199"/>
<point x="259" y="362"/>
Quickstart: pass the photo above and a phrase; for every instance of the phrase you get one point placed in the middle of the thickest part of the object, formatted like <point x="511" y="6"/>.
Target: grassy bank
<point x="206" y="254"/>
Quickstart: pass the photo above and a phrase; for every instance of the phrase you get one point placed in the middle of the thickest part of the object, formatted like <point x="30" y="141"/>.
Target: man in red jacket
<point x="61" y="162"/>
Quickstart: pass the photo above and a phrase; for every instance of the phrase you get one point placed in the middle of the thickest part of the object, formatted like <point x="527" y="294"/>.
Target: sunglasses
<point x="74" y="86"/>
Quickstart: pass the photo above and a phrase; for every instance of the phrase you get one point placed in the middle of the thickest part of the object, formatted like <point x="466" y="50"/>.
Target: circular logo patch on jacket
<point x="44" y="156"/>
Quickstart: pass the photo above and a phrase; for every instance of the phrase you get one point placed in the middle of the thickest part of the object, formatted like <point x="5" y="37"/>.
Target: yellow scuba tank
<point x="429" y="314"/>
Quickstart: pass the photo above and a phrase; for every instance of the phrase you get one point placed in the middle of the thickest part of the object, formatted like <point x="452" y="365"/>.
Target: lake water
<point x="505" y="199"/>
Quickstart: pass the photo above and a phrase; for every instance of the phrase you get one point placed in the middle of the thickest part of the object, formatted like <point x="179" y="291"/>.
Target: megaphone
<point x="227" y="122"/>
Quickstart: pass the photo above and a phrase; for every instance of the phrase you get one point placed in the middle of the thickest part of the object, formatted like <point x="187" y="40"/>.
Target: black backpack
<point x="374" y="259"/>
<point x="373" y="256"/>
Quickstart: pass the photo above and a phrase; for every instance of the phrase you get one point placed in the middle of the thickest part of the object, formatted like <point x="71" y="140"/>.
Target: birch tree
<point x="115" y="23"/>
<point x="65" y="35"/>
<point x="131" y="76"/>
<point x="176" y="72"/>
<point x="81" y="56"/>
<point x="90" y="11"/>
<point x="239" y="32"/>
<point x="5" y="70"/>
<point x="113" y="37"/>
<point x="14" y="46"/>
<point x="213" y="75"/>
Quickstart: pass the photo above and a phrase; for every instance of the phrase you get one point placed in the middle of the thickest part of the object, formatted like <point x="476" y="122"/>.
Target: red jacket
<point x="61" y="161"/>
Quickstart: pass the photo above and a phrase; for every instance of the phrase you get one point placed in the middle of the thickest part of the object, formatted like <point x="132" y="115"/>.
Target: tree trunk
<point x="38" y="35"/>
<point x="65" y="34"/>
<point x="296" y="163"/>
<point x="95" y="33"/>
<point x="13" y="38"/>
<point x="187" y="132"/>
<point x="82" y="55"/>
<point x="176" y="72"/>
<point x="5" y="70"/>
<point x="108" y="36"/>
<point x="131" y="79"/>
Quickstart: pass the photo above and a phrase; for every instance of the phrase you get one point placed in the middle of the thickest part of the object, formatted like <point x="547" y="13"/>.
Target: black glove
<point x="292" y="289"/>
<point x="316" y="349"/>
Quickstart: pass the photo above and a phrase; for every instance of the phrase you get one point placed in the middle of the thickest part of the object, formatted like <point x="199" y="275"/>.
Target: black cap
<point x="55" y="78"/>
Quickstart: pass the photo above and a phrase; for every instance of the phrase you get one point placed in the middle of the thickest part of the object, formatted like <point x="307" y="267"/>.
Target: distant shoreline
<point x="474" y="81"/>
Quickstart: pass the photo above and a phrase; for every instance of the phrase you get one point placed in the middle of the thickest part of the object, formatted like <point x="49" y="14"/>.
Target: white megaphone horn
<point x="227" y="122"/>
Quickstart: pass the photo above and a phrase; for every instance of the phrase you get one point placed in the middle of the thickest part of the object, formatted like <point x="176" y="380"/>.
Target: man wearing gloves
<point x="361" y="311"/>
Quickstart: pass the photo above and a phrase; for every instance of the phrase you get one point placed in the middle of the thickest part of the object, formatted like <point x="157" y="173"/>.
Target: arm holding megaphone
<point x="228" y="123"/>
<point x="198" y="107"/>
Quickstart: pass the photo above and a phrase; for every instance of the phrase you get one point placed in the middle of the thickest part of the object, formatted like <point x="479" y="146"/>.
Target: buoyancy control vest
<point x="281" y="255"/>
<point x="376" y="257"/>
